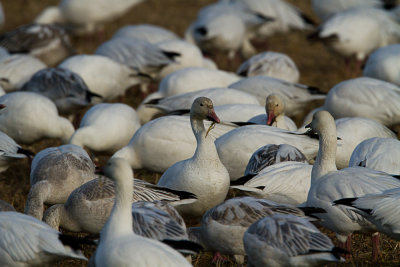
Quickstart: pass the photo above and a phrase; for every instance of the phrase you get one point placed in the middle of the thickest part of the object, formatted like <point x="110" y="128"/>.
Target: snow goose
<point x="85" y="17"/>
<point x="30" y="117"/>
<point x="383" y="64"/>
<point x="151" y="33"/>
<point x="285" y="182"/>
<point x="223" y="226"/>
<point x="288" y="240"/>
<point x="381" y="154"/>
<point x="275" y="108"/>
<point x="365" y="97"/>
<point x="10" y="151"/>
<point x="297" y="97"/>
<point x="326" y="8"/>
<point x="270" y="154"/>
<point x="164" y="141"/>
<point x="106" y="128"/>
<point x="238" y="112"/>
<point x="89" y="206"/>
<point x="203" y="174"/>
<point x="328" y="184"/>
<point x="65" y="88"/>
<point x="283" y="16"/>
<point x="55" y="173"/>
<point x="273" y="64"/>
<point x="49" y="43"/>
<point x="358" y="31"/>
<point x="27" y="241"/>
<point x="119" y="245"/>
<point x="381" y="209"/>
<point x="102" y="75"/>
<point x="17" y="69"/>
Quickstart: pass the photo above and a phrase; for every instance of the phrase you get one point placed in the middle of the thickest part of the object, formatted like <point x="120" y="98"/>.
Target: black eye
<point x="276" y="105"/>
<point x="201" y="104"/>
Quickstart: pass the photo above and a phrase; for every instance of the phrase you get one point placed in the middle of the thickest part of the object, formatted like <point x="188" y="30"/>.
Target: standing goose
<point x="328" y="184"/>
<point x="119" y="245"/>
<point x="203" y="174"/>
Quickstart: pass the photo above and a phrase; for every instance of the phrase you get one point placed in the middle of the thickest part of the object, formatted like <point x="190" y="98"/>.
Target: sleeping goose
<point x="27" y="241"/>
<point x="30" y="117"/>
<point x="119" y="245"/>
<point x="106" y="128"/>
<point x="55" y="173"/>
<point x="89" y="206"/>
<point x="328" y="184"/>
<point x="203" y="174"/>
<point x="288" y="240"/>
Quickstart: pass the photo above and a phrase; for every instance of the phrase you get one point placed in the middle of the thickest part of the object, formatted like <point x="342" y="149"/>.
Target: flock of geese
<point x="239" y="177"/>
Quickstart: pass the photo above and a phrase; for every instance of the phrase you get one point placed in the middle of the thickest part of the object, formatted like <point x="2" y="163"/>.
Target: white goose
<point x="288" y="240"/>
<point x="89" y="206"/>
<point x="55" y="173"/>
<point x="273" y="64"/>
<point x="17" y="69"/>
<point x="365" y="97"/>
<point x="106" y="128"/>
<point x="203" y="174"/>
<point x="381" y="154"/>
<point x="119" y="245"/>
<point x="27" y="241"/>
<point x="381" y="209"/>
<point x="383" y="64"/>
<point x="102" y="75"/>
<point x="238" y="112"/>
<point x="296" y="96"/>
<point x="30" y="117"/>
<point x="328" y="184"/>
<point x="160" y="143"/>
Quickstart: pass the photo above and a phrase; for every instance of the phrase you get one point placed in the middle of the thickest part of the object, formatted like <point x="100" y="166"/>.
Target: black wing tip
<point x="154" y="101"/>
<point x="75" y="242"/>
<point x="312" y="210"/>
<point x="315" y="90"/>
<point x="182" y="194"/>
<point x="171" y="55"/>
<point x="345" y="201"/>
<point x="184" y="245"/>
<point x="243" y="123"/>
<point x="244" y="179"/>
<point x="178" y="112"/>
<point x="337" y="252"/>
<point x="25" y="152"/>
<point x="307" y="19"/>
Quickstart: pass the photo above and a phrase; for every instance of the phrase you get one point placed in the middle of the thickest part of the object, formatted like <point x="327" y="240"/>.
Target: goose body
<point x="239" y="112"/>
<point x="381" y="154"/>
<point x="162" y="142"/>
<point x="383" y="64"/>
<point x="55" y="173"/>
<point x="106" y="127"/>
<point x="102" y="75"/>
<point x="328" y="184"/>
<point x="203" y="174"/>
<point x="365" y="97"/>
<point x="119" y="245"/>
<point x="89" y="206"/>
<point x="17" y="69"/>
<point x="27" y="241"/>
<point x="151" y="33"/>
<point x="30" y="117"/>
<point x="272" y="64"/>
<point x="288" y="240"/>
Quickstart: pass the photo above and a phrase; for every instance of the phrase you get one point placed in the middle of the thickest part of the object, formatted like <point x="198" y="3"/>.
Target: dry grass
<point x="318" y="67"/>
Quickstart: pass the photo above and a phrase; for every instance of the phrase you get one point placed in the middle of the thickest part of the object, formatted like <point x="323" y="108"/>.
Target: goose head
<point x="274" y="107"/>
<point x="322" y="123"/>
<point x="116" y="168"/>
<point x="203" y="109"/>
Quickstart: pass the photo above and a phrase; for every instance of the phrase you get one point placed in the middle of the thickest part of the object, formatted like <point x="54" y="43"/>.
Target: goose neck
<point x="205" y="144"/>
<point x="326" y="158"/>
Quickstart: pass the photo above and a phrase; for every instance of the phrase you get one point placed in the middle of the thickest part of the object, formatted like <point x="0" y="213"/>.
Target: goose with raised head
<point x="275" y="108"/>
<point x="106" y="127"/>
<point x="162" y="142"/>
<point x="27" y="241"/>
<point x="288" y="240"/>
<point x="203" y="174"/>
<point x="365" y="97"/>
<point x="223" y="226"/>
<point x="16" y="70"/>
<point x="271" y="64"/>
<point x="381" y="154"/>
<point x="30" y="117"/>
<point x="119" y="245"/>
<point x="89" y="206"/>
<point x="328" y="184"/>
<point x="102" y="75"/>
<point x="381" y="209"/>
<point x="55" y="173"/>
